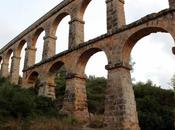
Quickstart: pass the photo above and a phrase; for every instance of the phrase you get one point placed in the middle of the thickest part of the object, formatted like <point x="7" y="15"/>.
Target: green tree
<point x="60" y="81"/>
<point x="155" y="106"/>
<point x="96" y="87"/>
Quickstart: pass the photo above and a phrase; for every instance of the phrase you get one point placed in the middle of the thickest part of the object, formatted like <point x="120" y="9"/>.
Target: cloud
<point x="139" y="8"/>
<point x="153" y="61"/>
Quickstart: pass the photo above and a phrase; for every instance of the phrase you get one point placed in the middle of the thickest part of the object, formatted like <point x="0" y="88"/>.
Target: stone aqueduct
<point x="117" y="43"/>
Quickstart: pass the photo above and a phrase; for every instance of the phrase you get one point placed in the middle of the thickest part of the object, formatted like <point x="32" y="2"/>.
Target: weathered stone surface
<point x="117" y="43"/>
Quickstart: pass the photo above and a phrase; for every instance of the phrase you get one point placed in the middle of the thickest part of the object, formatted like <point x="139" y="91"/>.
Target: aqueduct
<point x="117" y="43"/>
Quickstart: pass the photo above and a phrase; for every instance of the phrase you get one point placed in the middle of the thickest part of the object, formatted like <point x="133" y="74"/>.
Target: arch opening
<point x="94" y="15"/>
<point x="152" y="53"/>
<point x="1" y="61"/>
<point x="57" y="78"/>
<point x="21" y="53"/>
<point x="160" y="53"/>
<point x="134" y="38"/>
<point x="61" y="26"/>
<point x="33" y="77"/>
<point x="92" y="63"/>
<point x="38" y="43"/>
<point x="33" y="81"/>
<point x="8" y="59"/>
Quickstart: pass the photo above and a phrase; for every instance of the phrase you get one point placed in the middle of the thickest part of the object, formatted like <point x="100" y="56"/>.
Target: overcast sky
<point x="152" y="54"/>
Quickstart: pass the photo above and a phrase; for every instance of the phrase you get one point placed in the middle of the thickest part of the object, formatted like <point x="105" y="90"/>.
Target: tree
<point x="155" y="106"/>
<point x="60" y="81"/>
<point x="96" y="87"/>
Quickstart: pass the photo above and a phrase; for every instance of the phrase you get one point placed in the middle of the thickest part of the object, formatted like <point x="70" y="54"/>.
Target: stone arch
<point x="85" y="56"/>
<point x="36" y="44"/>
<point x="7" y="55"/>
<point x="56" y="66"/>
<point x="1" y="61"/>
<point x="84" y="5"/>
<point x="19" y="47"/>
<point x="136" y="36"/>
<point x="57" y="82"/>
<point x="53" y="71"/>
<point x="10" y="53"/>
<point x="33" y="77"/>
<point x="57" y="21"/>
<point x="94" y="13"/>
<point x="20" y="53"/>
<point x="36" y="35"/>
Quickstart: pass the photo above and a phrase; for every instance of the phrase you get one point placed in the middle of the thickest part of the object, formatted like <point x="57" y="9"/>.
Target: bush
<point x="96" y="94"/>
<point x="45" y="107"/>
<point x="155" y="106"/>
<point x="15" y="102"/>
<point x="21" y="103"/>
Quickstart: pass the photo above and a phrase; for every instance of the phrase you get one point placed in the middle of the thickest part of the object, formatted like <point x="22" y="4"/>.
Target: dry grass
<point x="11" y="124"/>
<point x="41" y="123"/>
<point x="96" y="121"/>
<point x="51" y="124"/>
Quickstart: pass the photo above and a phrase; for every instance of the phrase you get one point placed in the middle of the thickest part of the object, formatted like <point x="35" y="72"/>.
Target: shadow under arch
<point x="1" y="61"/>
<point x="57" y="80"/>
<point x="33" y="77"/>
<point x="7" y="55"/>
<point x="20" y="47"/>
<point x="135" y="37"/>
<point x="8" y="60"/>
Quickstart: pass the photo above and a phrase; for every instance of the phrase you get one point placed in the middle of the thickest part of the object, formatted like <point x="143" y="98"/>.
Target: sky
<point x="152" y="54"/>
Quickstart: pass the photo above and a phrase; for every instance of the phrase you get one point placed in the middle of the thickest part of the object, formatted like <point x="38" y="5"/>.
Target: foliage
<point x="60" y="83"/>
<point x="155" y="106"/>
<point x="96" y="94"/>
<point x="22" y="109"/>
<point x="19" y="104"/>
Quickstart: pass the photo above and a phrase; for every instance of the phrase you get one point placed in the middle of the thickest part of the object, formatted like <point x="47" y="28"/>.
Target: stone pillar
<point x="14" y="74"/>
<point x="171" y="3"/>
<point x="46" y="88"/>
<point x="115" y="14"/>
<point x="120" y="105"/>
<point x="76" y="32"/>
<point x="49" y="47"/>
<point x="29" y="57"/>
<point x="75" y="101"/>
<point x="4" y="70"/>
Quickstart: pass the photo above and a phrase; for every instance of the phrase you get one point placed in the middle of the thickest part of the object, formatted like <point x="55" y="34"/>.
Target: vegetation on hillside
<point x="22" y="109"/>
<point x="155" y="106"/>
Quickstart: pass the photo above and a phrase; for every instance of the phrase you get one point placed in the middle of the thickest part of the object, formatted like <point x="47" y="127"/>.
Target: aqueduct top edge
<point x="37" y="23"/>
<point x="67" y="2"/>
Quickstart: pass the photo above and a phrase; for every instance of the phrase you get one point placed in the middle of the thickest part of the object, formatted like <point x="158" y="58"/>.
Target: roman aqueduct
<point x="117" y="43"/>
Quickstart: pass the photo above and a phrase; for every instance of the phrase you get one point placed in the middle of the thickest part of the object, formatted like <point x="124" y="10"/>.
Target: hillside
<point x="22" y="109"/>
